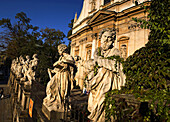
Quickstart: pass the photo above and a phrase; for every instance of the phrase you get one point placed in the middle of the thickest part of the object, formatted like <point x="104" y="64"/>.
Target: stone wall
<point x="116" y="15"/>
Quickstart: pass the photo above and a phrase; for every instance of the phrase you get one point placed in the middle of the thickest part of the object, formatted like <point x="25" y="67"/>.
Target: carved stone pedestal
<point x="52" y="115"/>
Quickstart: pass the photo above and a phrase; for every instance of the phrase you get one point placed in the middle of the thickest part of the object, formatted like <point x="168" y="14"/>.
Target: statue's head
<point x="27" y="57"/>
<point x="35" y="60"/>
<point x="34" y="56"/>
<point x="62" y="48"/>
<point x="16" y="61"/>
<point x="76" y="58"/>
<point x="21" y="59"/>
<point x="107" y="37"/>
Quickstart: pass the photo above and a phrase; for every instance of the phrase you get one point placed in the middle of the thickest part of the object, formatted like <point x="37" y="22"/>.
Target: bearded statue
<point x="107" y="76"/>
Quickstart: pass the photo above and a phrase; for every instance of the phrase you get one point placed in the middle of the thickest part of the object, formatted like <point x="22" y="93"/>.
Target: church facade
<point x="115" y="14"/>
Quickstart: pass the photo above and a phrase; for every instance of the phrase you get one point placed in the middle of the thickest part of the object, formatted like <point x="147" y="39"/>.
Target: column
<point x="19" y="93"/>
<point x="27" y="101"/>
<point x="23" y="101"/>
<point x="16" y="86"/>
<point x="94" y="44"/>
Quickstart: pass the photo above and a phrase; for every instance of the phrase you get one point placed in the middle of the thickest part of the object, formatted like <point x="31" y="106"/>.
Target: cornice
<point x="133" y="10"/>
<point x="118" y="16"/>
<point x="108" y="13"/>
<point x="107" y="6"/>
<point x="82" y="21"/>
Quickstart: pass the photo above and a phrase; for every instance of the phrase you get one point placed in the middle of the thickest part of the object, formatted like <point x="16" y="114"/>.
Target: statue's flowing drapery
<point x="60" y="84"/>
<point x="108" y="78"/>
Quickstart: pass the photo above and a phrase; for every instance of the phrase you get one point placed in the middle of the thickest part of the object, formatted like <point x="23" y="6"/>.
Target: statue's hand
<point x="64" y="67"/>
<point x="98" y="59"/>
<point x="56" y="63"/>
<point x="48" y="70"/>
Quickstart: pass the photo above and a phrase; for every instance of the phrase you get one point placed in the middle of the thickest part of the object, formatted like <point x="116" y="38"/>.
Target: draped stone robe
<point x="107" y="78"/>
<point x="59" y="85"/>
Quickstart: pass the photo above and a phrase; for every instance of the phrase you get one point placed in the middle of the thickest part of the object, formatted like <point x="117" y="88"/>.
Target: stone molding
<point x="83" y="40"/>
<point x="134" y="27"/>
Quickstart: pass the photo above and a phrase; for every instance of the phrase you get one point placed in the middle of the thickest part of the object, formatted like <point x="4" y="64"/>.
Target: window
<point x="123" y="51"/>
<point x="106" y="2"/>
<point x="88" y="55"/>
<point x="88" y="51"/>
<point x="76" y="51"/>
<point x="123" y="46"/>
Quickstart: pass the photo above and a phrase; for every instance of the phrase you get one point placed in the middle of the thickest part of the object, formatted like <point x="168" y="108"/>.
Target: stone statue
<point x="27" y="60"/>
<point x="21" y="60"/>
<point x="33" y="66"/>
<point x="25" y="69"/>
<point x="107" y="77"/>
<point x="19" y="67"/>
<point x="28" y="70"/>
<point x="61" y="83"/>
<point x="93" y="5"/>
<point x="79" y="77"/>
<point x="26" y="65"/>
<point x="88" y="72"/>
<point x="30" y="73"/>
<point x="15" y="65"/>
<point x="34" y="62"/>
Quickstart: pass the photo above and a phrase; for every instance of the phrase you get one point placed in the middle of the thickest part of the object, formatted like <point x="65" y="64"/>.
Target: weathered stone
<point x="25" y="70"/>
<point x="22" y="76"/>
<point x="107" y="77"/>
<point x="52" y="115"/>
<point x="95" y="16"/>
<point x="61" y="83"/>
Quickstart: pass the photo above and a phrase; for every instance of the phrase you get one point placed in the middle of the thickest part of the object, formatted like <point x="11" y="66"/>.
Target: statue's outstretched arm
<point x="49" y="73"/>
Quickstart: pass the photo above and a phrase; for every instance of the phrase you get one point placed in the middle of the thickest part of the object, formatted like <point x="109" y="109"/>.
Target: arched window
<point x="88" y="51"/>
<point x="88" y="55"/>
<point x="123" y="46"/>
<point x="106" y="1"/>
<point x="76" y="53"/>
<point x="123" y="50"/>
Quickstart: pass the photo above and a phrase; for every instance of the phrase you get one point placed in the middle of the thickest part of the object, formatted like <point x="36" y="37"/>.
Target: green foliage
<point x="147" y="72"/>
<point x="147" y="78"/>
<point x="18" y="36"/>
<point x="96" y="67"/>
<point x="70" y="25"/>
<point x="52" y="37"/>
<point x="22" y="38"/>
<point x="158" y="15"/>
<point x="117" y="109"/>
<point x="99" y="52"/>
<point x="45" y="62"/>
<point x="117" y="58"/>
<point x="148" y="66"/>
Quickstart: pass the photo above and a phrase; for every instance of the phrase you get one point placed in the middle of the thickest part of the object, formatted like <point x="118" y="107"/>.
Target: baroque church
<point x="97" y="15"/>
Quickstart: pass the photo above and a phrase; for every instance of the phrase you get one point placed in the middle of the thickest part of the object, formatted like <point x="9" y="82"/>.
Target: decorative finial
<point x="75" y="18"/>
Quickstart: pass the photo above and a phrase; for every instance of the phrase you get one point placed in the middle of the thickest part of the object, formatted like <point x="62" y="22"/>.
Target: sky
<point x="55" y="14"/>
